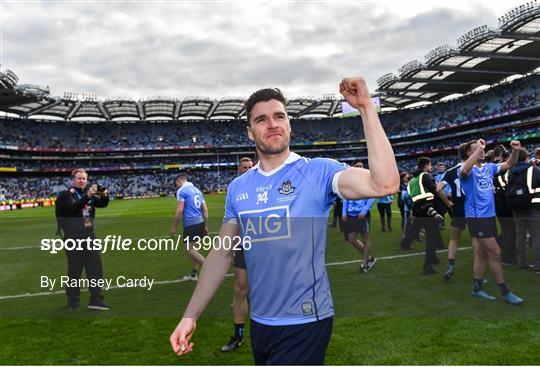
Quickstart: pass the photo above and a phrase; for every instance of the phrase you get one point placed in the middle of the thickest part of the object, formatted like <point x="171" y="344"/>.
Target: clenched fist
<point x="356" y="92"/>
<point x="515" y="144"/>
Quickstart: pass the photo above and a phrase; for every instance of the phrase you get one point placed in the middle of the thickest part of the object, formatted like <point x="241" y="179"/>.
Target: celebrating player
<point x="281" y="207"/>
<point x="477" y="183"/>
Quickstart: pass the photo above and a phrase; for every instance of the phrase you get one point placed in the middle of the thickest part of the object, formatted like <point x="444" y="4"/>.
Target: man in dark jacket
<point x="422" y="190"/>
<point x="524" y="199"/>
<point x="75" y="210"/>
<point x="506" y="238"/>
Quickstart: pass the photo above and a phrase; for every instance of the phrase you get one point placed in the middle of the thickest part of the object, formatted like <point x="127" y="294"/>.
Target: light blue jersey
<point x="354" y="208"/>
<point x="407" y="201"/>
<point x="478" y="189"/>
<point x="386" y="199"/>
<point x="285" y="214"/>
<point x="193" y="199"/>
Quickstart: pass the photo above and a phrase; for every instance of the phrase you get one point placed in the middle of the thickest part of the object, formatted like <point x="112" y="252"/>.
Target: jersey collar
<point x="293" y="157"/>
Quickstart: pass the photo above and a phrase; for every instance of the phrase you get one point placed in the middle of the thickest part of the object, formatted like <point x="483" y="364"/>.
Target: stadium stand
<point x="487" y="86"/>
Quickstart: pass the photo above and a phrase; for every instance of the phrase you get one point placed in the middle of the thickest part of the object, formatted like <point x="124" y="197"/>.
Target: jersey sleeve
<point x="180" y="195"/>
<point x="327" y="173"/>
<point x="230" y="211"/>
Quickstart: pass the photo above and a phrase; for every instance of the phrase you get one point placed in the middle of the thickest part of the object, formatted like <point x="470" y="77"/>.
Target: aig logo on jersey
<point x="266" y="224"/>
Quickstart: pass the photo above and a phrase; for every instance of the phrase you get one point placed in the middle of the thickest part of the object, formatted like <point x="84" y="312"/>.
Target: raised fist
<point x="515" y="144"/>
<point x="481" y="143"/>
<point x="355" y="91"/>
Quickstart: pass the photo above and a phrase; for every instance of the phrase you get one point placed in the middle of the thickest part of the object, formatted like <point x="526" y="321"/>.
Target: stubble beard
<point x="269" y="150"/>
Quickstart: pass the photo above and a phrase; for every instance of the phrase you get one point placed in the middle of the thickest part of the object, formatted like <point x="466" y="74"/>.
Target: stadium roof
<point x="482" y="57"/>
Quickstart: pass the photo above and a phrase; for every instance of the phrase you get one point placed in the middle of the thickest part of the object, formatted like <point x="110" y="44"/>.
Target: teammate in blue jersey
<point x="355" y="219"/>
<point x="192" y="208"/>
<point x="477" y="184"/>
<point x="384" y="205"/>
<point x="281" y="206"/>
<point x="449" y="190"/>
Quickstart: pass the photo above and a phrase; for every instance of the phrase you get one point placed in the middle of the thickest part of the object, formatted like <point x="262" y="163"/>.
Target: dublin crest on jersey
<point x="286" y="188"/>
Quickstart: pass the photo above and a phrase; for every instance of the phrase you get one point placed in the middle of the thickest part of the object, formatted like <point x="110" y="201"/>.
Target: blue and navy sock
<point x="477" y="285"/>
<point x="504" y="289"/>
<point x="239" y="331"/>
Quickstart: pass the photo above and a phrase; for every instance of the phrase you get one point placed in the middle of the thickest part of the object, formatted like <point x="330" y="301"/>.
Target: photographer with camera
<point x="75" y="212"/>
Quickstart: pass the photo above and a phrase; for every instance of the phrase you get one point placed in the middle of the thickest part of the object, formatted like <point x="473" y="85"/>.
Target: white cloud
<point x="219" y="49"/>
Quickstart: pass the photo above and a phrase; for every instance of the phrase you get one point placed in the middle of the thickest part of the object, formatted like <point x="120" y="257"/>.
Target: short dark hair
<point x="78" y="170"/>
<point x="523" y="154"/>
<point x="467" y="146"/>
<point x="264" y="95"/>
<point x="357" y="161"/>
<point x="422" y="162"/>
<point x="182" y="174"/>
<point x="462" y="151"/>
<point x="245" y="159"/>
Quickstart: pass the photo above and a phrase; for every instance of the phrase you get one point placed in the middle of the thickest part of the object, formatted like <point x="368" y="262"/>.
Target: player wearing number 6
<point x="282" y="205"/>
<point x="192" y="207"/>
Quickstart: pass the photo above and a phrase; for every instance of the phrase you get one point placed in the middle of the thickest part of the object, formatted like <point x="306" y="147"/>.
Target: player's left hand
<point x="172" y="231"/>
<point x="515" y="144"/>
<point x="205" y="231"/>
<point x="355" y="91"/>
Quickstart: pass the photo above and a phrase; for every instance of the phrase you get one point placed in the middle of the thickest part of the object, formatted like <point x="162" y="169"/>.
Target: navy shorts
<point x="482" y="227"/>
<point x="195" y="230"/>
<point x="355" y="224"/>
<point x="458" y="216"/>
<point x="239" y="261"/>
<point x="303" y="344"/>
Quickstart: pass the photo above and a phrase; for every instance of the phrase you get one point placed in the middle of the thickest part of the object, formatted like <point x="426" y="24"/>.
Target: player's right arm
<point x="212" y="275"/>
<point x="382" y="178"/>
<point x="177" y="215"/>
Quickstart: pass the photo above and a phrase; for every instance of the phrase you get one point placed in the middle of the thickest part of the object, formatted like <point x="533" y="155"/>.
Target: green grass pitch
<point x="392" y="315"/>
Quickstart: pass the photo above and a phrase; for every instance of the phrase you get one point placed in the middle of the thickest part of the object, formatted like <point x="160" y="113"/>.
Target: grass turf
<point x="392" y="315"/>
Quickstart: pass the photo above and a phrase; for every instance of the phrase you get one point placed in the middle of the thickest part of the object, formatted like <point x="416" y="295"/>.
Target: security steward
<point x="523" y="196"/>
<point x="506" y="238"/>
<point x="422" y="190"/>
<point x="75" y="212"/>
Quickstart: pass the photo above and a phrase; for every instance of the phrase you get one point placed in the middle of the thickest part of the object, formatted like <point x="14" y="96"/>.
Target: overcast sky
<point x="222" y="49"/>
